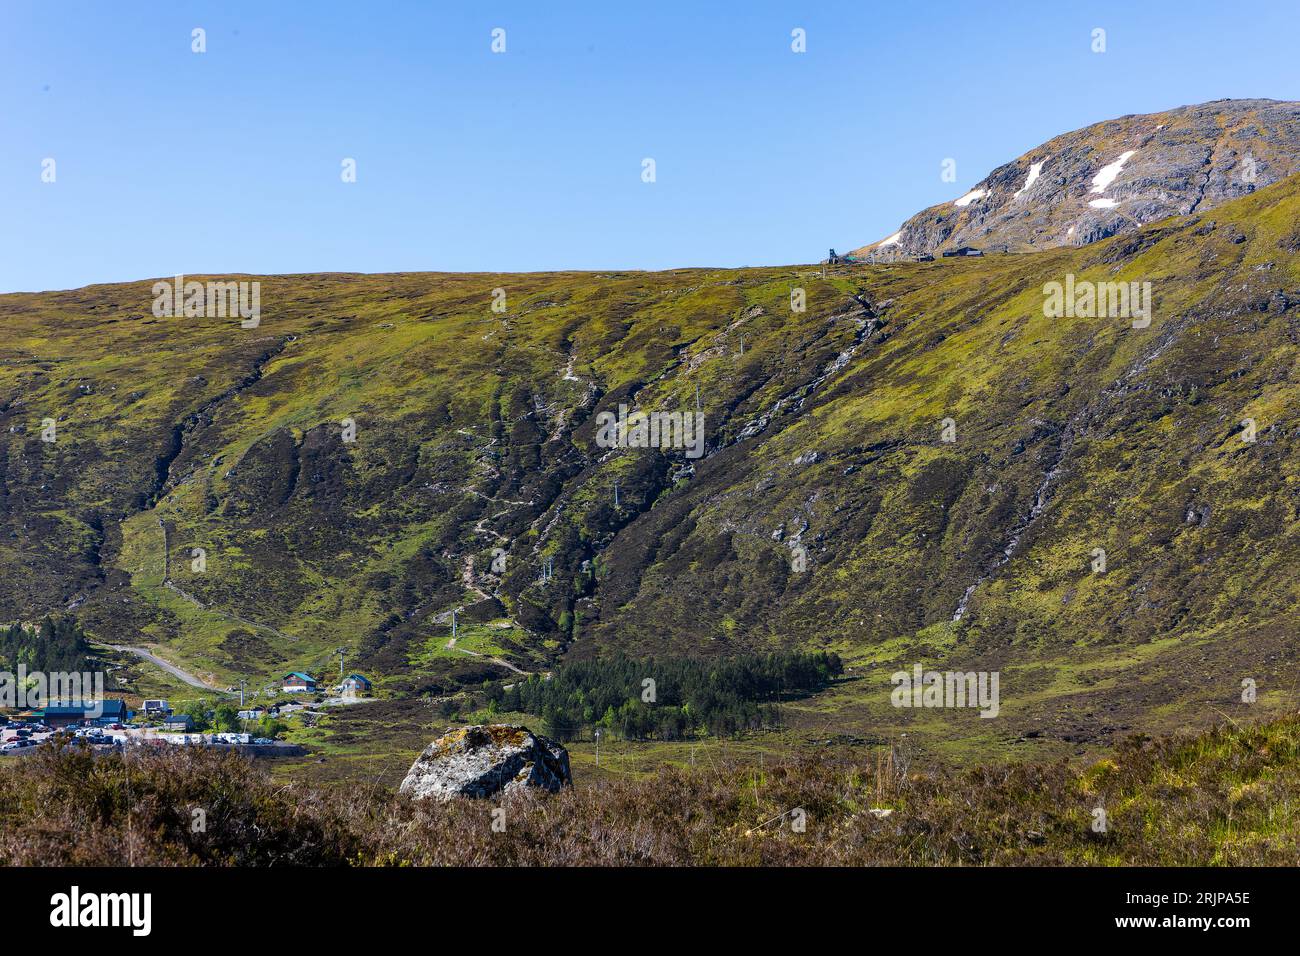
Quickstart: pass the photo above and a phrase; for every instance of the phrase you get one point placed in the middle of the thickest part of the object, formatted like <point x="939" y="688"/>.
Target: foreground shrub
<point x="1226" y="797"/>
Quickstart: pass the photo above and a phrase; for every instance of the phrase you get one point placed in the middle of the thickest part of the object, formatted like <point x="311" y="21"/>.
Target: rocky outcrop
<point x="1110" y="178"/>
<point x="485" y="760"/>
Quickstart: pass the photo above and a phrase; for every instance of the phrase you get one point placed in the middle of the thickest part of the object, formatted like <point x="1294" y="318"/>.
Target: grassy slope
<point x="470" y="436"/>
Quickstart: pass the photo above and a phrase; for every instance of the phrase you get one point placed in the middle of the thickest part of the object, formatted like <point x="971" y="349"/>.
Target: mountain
<point x="921" y="465"/>
<point x="1111" y="178"/>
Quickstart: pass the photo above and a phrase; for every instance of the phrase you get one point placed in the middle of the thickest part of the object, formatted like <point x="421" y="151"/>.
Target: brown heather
<point x="1228" y="796"/>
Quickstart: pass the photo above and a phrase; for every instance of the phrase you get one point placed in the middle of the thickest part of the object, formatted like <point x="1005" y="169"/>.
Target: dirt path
<point x="172" y="669"/>
<point x="495" y="660"/>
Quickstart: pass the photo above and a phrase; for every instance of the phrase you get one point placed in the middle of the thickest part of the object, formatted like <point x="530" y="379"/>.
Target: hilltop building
<point x="297" y="682"/>
<point x="354" y="685"/>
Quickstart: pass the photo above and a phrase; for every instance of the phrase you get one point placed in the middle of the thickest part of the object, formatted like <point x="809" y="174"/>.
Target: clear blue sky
<point x="229" y="161"/>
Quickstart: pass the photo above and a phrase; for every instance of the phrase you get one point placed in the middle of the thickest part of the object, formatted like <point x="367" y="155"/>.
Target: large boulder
<point x="484" y="760"/>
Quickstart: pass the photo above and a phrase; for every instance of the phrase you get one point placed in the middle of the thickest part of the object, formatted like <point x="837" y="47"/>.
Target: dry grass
<point x="1225" y="797"/>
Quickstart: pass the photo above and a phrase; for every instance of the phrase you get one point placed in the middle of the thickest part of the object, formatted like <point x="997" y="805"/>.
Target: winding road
<point x="169" y="668"/>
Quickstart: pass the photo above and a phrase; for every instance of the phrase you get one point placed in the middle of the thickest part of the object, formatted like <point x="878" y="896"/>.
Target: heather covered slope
<point x="1224" y="798"/>
<point x="1112" y="177"/>
<point x="475" y="431"/>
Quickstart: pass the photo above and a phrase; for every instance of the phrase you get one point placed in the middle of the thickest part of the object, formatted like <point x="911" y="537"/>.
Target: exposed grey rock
<point x="1181" y="161"/>
<point x="484" y="760"/>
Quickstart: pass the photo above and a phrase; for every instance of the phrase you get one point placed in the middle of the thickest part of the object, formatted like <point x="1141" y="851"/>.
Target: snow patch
<point x="1034" y="170"/>
<point x="970" y="197"/>
<point x="1107" y="174"/>
<point x="891" y="241"/>
<point x="1103" y="203"/>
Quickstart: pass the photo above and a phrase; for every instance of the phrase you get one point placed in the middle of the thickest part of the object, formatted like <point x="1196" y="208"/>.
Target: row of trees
<point x="668" y="699"/>
<point x="56" y="644"/>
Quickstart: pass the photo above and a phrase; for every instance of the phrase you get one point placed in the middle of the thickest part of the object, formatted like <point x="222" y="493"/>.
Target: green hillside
<point x="476" y="430"/>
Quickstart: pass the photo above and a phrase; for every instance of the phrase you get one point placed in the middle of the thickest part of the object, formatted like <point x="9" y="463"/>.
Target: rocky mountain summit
<point x="1109" y="178"/>
<point x="484" y="760"/>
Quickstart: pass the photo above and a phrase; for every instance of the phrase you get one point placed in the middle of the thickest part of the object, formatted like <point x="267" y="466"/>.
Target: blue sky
<point x="229" y="161"/>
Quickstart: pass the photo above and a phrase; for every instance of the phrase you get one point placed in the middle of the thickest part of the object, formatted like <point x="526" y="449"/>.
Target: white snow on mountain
<point x="1034" y="170"/>
<point x="1103" y="203"/>
<point x="1107" y="174"/>
<point x="891" y="241"/>
<point x="970" y="197"/>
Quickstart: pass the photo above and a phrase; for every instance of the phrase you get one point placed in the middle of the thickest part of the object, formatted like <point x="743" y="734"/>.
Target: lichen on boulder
<point x="484" y="760"/>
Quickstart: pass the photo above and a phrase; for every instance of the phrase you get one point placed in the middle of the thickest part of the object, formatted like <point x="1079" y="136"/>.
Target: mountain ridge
<point x="1109" y="178"/>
